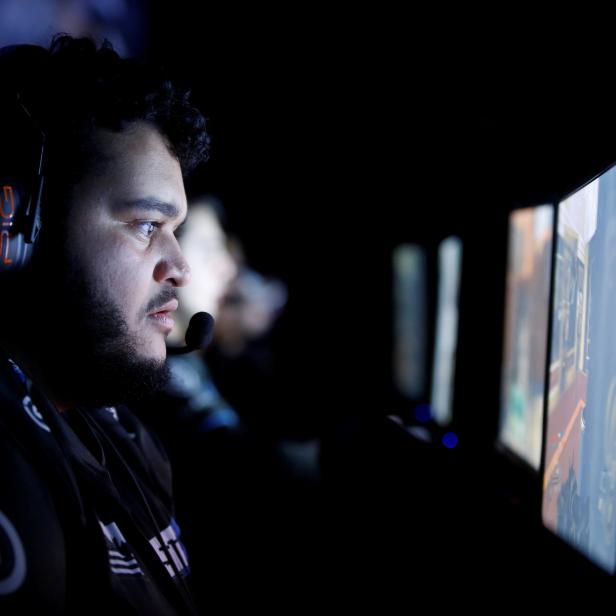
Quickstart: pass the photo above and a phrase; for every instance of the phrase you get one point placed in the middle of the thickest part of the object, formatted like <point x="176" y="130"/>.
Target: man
<point x="86" y="516"/>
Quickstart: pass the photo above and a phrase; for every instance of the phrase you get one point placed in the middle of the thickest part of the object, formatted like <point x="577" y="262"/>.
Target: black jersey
<point x="86" y="515"/>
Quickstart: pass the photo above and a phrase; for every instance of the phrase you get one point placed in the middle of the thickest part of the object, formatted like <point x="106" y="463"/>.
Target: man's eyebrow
<point x="151" y="203"/>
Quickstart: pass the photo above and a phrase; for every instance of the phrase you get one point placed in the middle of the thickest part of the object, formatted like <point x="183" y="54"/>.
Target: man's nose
<point x="173" y="267"/>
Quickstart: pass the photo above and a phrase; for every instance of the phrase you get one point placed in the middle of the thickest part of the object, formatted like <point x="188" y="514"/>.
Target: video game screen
<point x="529" y="262"/>
<point x="579" y="482"/>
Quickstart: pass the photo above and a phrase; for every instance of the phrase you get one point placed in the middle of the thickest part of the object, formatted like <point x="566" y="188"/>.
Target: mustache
<point x="166" y="295"/>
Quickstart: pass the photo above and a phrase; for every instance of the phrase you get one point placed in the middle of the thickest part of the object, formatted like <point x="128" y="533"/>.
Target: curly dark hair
<point x="100" y="89"/>
<point x="74" y="87"/>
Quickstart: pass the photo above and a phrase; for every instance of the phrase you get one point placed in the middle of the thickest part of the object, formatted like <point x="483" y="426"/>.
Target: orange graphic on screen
<point x="8" y="203"/>
<point x="4" y="247"/>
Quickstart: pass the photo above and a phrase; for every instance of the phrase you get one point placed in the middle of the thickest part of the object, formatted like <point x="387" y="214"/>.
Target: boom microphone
<point x="198" y="335"/>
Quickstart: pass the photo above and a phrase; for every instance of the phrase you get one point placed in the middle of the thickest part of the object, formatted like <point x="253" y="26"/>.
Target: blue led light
<point x="450" y="440"/>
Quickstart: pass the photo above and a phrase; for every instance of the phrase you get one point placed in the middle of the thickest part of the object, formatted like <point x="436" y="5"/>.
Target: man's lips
<point x="162" y="316"/>
<point x="170" y="306"/>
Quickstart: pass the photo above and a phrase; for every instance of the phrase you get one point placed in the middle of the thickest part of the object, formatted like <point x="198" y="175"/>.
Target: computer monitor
<point x="409" y="335"/>
<point x="529" y="264"/>
<point x="446" y="335"/>
<point x="579" y="480"/>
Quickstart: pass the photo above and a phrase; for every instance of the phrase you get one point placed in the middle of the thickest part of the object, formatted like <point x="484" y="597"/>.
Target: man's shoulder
<point x="32" y="543"/>
<point x="22" y="422"/>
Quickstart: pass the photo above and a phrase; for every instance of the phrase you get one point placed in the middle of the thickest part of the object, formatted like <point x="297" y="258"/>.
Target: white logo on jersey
<point x="121" y="560"/>
<point x="172" y="554"/>
<point x="112" y="411"/>
<point x="33" y="413"/>
<point x="12" y="558"/>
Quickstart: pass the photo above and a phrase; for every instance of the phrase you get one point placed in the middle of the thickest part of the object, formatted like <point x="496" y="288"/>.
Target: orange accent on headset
<point x="5" y="256"/>
<point x="7" y="197"/>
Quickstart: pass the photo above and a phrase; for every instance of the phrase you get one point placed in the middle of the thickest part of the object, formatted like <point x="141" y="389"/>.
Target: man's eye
<point x="146" y="228"/>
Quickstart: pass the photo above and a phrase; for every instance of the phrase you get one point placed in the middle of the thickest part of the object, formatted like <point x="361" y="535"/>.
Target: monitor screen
<point x="579" y="483"/>
<point x="446" y="339"/>
<point x="529" y="262"/>
<point x="409" y="267"/>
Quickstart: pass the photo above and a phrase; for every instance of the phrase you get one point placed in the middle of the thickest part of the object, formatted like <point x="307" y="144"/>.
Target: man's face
<point x="113" y="283"/>
<point x="121" y="229"/>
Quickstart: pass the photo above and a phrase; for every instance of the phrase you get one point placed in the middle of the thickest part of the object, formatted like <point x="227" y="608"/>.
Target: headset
<point x="22" y="157"/>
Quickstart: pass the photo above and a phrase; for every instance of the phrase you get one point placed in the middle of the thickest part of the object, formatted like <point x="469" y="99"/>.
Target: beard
<point x="89" y="356"/>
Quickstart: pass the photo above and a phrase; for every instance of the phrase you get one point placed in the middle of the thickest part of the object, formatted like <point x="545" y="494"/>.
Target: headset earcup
<point x="15" y="252"/>
<point x="21" y="155"/>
